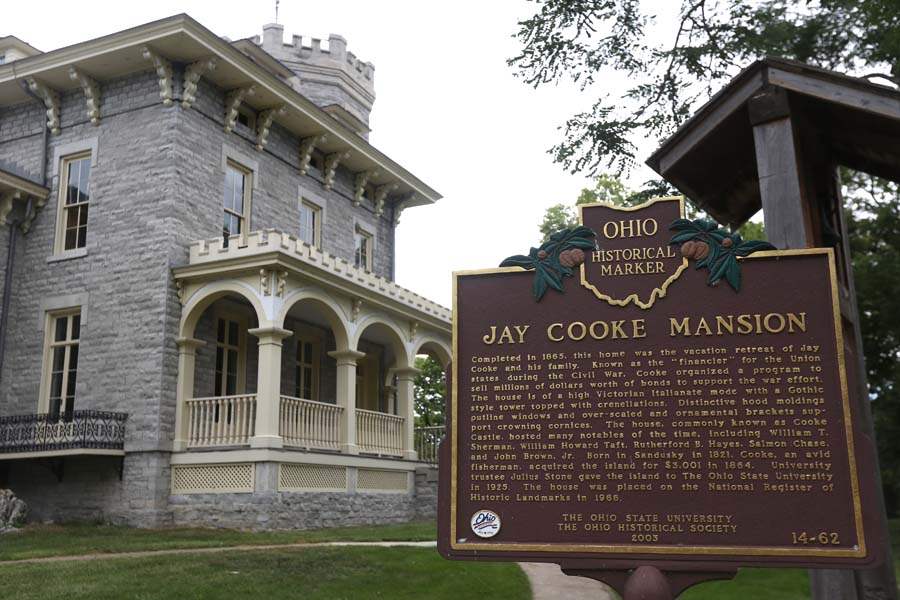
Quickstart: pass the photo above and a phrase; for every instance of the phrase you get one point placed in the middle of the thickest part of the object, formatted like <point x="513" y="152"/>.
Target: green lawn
<point x="311" y="574"/>
<point x="773" y="584"/>
<point x="37" y="541"/>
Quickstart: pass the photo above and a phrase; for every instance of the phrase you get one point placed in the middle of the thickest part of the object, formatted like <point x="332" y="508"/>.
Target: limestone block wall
<point x="201" y="146"/>
<point x="91" y="490"/>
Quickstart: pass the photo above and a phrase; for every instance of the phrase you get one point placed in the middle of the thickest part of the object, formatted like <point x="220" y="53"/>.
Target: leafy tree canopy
<point x="673" y="73"/>
<point x="430" y="391"/>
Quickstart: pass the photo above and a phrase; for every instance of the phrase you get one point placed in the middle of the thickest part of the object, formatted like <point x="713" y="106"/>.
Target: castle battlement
<point x="333" y="54"/>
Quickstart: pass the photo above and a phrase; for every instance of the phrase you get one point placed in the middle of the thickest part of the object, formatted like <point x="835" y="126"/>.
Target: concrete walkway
<point x="144" y="553"/>
<point x="549" y="583"/>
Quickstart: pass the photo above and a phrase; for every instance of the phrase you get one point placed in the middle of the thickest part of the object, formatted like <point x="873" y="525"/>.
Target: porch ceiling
<point x="210" y="260"/>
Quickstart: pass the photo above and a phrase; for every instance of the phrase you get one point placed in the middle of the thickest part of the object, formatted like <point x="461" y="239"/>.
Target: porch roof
<point x="261" y="249"/>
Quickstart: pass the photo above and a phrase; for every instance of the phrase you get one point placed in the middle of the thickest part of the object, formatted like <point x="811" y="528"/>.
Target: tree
<point x="583" y="40"/>
<point x="874" y="231"/>
<point x="430" y="392"/>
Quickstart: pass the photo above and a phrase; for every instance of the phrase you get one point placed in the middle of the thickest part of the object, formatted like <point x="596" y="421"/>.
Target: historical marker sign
<point x="646" y="416"/>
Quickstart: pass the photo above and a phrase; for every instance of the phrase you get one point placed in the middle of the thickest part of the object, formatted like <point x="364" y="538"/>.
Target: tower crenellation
<point x="327" y="73"/>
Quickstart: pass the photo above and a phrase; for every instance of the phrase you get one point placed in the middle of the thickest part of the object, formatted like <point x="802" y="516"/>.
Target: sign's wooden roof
<point x="711" y="158"/>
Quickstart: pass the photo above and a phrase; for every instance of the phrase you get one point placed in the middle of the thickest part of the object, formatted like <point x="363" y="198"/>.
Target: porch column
<point x="346" y="396"/>
<point x="268" y="387"/>
<point x="184" y="390"/>
<point x="406" y="404"/>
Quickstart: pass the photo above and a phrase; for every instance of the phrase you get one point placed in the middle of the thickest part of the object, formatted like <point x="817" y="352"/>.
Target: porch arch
<point x="209" y="293"/>
<point x="394" y="334"/>
<point x="329" y="309"/>
<point x="432" y="346"/>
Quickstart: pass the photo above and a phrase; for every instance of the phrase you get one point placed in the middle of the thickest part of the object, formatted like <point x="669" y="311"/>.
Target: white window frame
<point x="318" y="212"/>
<point x="59" y="244"/>
<point x="240" y="384"/>
<point x="247" y="201"/>
<point x="50" y="318"/>
<point x="313" y="362"/>
<point x="359" y="230"/>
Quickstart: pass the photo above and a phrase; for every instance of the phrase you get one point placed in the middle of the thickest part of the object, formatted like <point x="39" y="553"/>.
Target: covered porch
<point x="282" y="346"/>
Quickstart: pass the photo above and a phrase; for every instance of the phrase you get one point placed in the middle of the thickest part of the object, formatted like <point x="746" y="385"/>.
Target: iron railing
<point x="78" y="429"/>
<point x="427" y="441"/>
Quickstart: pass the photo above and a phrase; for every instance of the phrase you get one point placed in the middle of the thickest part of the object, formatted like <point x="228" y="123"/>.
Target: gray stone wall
<point x="426" y="492"/>
<point x="156" y="186"/>
<point x="286" y="510"/>
<point x="90" y="489"/>
<point x="278" y="186"/>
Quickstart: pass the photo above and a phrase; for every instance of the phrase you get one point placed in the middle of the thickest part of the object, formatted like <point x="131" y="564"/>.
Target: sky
<point x="447" y="108"/>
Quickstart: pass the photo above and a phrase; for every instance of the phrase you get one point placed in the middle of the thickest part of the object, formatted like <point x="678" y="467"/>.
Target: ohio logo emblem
<point x="634" y="261"/>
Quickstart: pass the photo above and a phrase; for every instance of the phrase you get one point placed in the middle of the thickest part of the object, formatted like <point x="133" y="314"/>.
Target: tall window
<point x="236" y="200"/>
<point x="307" y="380"/>
<point x="65" y="332"/>
<point x="363" y="253"/>
<point x="229" y="358"/>
<point x="75" y="195"/>
<point x="310" y="224"/>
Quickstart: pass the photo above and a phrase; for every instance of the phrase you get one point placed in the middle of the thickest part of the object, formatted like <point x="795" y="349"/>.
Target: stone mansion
<point x="199" y="320"/>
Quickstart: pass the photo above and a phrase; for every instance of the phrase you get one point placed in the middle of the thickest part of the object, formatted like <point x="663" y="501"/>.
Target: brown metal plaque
<point x="701" y="425"/>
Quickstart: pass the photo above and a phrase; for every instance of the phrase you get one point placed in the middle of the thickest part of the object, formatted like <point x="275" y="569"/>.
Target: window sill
<point x="68" y="254"/>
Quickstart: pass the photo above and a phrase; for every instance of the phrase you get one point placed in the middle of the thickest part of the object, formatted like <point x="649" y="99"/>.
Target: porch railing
<point x="221" y="421"/>
<point x="79" y="429"/>
<point x="427" y="441"/>
<point x="379" y="433"/>
<point x="310" y="424"/>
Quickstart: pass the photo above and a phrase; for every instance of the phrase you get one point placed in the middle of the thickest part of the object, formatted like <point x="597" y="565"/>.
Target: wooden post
<point x="798" y="188"/>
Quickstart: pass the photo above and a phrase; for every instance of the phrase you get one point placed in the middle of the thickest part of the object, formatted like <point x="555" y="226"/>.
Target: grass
<point x="37" y="541"/>
<point x="774" y="584"/>
<point x="311" y="573"/>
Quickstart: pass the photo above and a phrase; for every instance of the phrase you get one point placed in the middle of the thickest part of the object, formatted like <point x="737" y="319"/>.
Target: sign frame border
<point x="672" y="552"/>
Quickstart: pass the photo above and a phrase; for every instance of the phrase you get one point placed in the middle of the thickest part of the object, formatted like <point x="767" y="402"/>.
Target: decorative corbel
<point x="163" y="72"/>
<point x="179" y="290"/>
<point x="281" y="282"/>
<point x="91" y="93"/>
<point x="307" y="145"/>
<point x="192" y="75"/>
<point x="381" y="193"/>
<point x="398" y="208"/>
<point x="50" y="98"/>
<point x="264" y="124"/>
<point x="34" y="206"/>
<point x="359" y="185"/>
<point x="413" y="330"/>
<point x="233" y="100"/>
<point x="264" y="282"/>
<point x="6" y="205"/>
<point x="354" y="310"/>
<point x="331" y="165"/>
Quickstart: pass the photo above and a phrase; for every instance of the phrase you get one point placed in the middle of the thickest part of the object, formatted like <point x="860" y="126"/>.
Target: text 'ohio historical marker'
<point x="647" y="390"/>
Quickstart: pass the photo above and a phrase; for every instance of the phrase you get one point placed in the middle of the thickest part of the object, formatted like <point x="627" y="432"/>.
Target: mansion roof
<point x="181" y="39"/>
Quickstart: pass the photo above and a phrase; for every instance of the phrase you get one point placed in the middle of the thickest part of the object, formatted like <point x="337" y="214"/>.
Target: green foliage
<point x="585" y="40"/>
<point x="314" y="573"/>
<point x="724" y="249"/>
<point x="545" y="260"/>
<point x="874" y="231"/>
<point x="71" y="539"/>
<point x="430" y="392"/>
<point x="752" y="231"/>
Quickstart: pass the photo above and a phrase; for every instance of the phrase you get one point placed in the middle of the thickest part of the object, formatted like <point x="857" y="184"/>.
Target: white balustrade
<point x="221" y="421"/>
<point x="310" y="424"/>
<point x="379" y="433"/>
